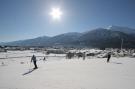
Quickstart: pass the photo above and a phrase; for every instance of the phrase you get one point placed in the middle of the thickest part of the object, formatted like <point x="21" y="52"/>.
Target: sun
<point x="56" y="13"/>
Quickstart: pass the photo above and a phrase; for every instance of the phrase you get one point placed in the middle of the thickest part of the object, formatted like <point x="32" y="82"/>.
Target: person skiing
<point x="108" y="57"/>
<point x="84" y="56"/>
<point x="33" y="59"/>
<point x="44" y="59"/>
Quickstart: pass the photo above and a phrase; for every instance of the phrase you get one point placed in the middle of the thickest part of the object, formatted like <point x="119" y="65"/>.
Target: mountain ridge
<point x="100" y="37"/>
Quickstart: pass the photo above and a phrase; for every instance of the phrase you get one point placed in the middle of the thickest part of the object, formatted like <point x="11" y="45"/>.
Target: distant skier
<point x="84" y="56"/>
<point x="108" y="57"/>
<point x="44" y="59"/>
<point x="34" y="61"/>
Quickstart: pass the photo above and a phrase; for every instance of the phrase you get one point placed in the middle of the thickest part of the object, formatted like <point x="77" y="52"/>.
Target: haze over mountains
<point x="101" y="38"/>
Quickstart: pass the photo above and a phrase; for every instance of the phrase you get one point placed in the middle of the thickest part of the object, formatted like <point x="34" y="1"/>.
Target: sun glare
<point x="56" y="13"/>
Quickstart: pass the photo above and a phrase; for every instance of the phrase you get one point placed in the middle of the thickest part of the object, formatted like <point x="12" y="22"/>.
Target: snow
<point x="60" y="73"/>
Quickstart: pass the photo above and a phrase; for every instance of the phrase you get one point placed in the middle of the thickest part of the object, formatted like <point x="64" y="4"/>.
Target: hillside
<point x="99" y="38"/>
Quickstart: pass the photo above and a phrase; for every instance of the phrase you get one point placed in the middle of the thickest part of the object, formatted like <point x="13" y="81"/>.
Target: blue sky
<point x="25" y="19"/>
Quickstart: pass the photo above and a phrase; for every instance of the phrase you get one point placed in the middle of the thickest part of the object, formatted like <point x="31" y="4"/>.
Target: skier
<point x="108" y="57"/>
<point x="44" y="59"/>
<point x="84" y="56"/>
<point x="34" y="61"/>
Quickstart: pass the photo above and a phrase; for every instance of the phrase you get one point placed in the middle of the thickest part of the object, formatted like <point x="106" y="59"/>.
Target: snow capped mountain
<point x="126" y="30"/>
<point x="100" y="37"/>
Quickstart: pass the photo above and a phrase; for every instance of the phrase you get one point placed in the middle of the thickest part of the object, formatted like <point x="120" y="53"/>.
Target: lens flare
<point x="56" y="13"/>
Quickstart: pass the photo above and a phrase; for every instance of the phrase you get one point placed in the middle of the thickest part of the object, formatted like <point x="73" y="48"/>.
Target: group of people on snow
<point x="34" y="60"/>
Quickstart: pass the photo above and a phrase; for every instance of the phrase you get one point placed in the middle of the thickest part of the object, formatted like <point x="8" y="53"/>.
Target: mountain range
<point x="110" y="37"/>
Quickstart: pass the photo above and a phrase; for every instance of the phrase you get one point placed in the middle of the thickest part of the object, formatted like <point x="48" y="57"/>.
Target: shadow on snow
<point x="28" y="72"/>
<point x="116" y="62"/>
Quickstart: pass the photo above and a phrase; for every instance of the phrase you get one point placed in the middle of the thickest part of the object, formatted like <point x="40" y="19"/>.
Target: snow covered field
<point x="60" y="73"/>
